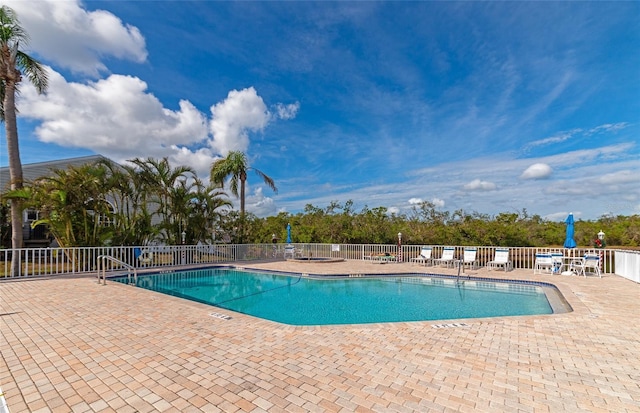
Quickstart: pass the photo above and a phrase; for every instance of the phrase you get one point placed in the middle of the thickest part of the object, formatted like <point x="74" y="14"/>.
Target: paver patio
<point x="71" y="345"/>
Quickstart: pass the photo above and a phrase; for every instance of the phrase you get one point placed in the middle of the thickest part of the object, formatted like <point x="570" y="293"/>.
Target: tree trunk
<point x="15" y="175"/>
<point x="242" y="181"/>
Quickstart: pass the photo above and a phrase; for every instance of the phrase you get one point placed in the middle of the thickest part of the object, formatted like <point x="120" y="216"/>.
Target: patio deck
<point x="71" y="345"/>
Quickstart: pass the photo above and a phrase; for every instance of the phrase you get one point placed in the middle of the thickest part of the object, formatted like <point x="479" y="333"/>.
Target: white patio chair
<point x="557" y="259"/>
<point x="544" y="263"/>
<point x="424" y="257"/>
<point x="500" y="259"/>
<point x="591" y="264"/>
<point x="469" y="258"/>
<point x="145" y="257"/>
<point x="447" y="257"/>
<point x="289" y="251"/>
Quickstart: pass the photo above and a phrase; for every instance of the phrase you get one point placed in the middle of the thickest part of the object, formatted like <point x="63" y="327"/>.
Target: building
<point x="37" y="237"/>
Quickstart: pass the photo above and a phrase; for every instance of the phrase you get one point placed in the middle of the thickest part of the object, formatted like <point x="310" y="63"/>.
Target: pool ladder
<point x="102" y="269"/>
<point x="460" y="265"/>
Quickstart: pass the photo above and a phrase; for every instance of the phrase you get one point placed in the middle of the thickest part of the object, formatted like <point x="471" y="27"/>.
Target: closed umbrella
<point x="288" y="233"/>
<point x="569" y="241"/>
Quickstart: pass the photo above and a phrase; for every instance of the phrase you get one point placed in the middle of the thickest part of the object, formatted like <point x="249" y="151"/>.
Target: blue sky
<point x="481" y="106"/>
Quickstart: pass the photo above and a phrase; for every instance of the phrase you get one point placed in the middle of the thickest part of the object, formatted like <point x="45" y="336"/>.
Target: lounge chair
<point x="469" y="258"/>
<point x="543" y="264"/>
<point x="383" y="258"/>
<point x="447" y="257"/>
<point x="424" y="257"/>
<point x="500" y="259"/>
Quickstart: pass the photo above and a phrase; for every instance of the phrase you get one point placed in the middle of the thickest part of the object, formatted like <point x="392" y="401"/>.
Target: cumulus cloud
<point x="259" y="204"/>
<point x="64" y="33"/>
<point x="393" y="210"/>
<point x="439" y="203"/>
<point x="478" y="185"/>
<point x="537" y="171"/>
<point x="200" y="160"/>
<point x="115" y="116"/>
<point x="241" y="112"/>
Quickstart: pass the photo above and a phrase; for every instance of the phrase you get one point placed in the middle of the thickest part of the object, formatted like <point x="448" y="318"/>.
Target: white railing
<point x="628" y="264"/>
<point x="59" y="261"/>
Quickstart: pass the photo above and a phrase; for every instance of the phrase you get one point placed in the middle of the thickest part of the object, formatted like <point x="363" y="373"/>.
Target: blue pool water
<point x="298" y="300"/>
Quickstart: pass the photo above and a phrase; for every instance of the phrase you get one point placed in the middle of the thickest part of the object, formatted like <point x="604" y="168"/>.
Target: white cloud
<point x="64" y="33"/>
<point x="619" y="177"/>
<point x="561" y="216"/>
<point x="479" y="185"/>
<point x="608" y="127"/>
<point x="439" y="203"/>
<point x="393" y="210"/>
<point x="200" y="160"/>
<point x="242" y="111"/>
<point x="259" y="204"/>
<point x="560" y="137"/>
<point x="537" y="171"/>
<point x="119" y="118"/>
<point x="287" y="111"/>
<point x="115" y="116"/>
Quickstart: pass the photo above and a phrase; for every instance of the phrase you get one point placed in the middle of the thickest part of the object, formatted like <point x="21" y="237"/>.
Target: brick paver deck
<point x="71" y="345"/>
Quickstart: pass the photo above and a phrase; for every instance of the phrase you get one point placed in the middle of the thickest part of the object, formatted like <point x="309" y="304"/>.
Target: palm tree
<point x="13" y="64"/>
<point x="236" y="166"/>
<point x="73" y="205"/>
<point x="161" y="182"/>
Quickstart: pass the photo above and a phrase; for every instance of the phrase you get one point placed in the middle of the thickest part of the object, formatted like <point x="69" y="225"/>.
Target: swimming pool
<point x="304" y="300"/>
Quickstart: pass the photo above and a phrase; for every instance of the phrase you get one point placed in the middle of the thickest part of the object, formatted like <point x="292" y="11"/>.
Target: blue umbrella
<point x="569" y="242"/>
<point x="288" y="233"/>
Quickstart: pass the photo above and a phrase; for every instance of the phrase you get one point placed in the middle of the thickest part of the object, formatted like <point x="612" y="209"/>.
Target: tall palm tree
<point x="13" y="64"/>
<point x="236" y="166"/>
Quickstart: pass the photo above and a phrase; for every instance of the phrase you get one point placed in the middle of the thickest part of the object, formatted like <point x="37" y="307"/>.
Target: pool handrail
<point x="103" y="268"/>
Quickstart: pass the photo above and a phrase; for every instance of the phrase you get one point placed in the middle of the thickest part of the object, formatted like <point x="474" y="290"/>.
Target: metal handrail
<point x="104" y="258"/>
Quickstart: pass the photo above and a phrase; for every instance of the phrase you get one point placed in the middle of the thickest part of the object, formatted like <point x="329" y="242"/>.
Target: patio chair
<point x="289" y="251"/>
<point x="500" y="259"/>
<point x="424" y="257"/>
<point x="556" y="259"/>
<point x="543" y="264"/>
<point x="145" y="257"/>
<point x="447" y="257"/>
<point x="591" y="264"/>
<point x="469" y="258"/>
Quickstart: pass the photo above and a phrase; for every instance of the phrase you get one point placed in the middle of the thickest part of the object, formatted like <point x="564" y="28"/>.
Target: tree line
<point x="425" y="224"/>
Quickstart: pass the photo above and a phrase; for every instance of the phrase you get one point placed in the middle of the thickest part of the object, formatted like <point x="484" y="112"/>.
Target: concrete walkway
<point x="71" y="345"/>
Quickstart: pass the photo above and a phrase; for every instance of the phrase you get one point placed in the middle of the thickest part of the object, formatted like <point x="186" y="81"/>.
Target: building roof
<point x="36" y="170"/>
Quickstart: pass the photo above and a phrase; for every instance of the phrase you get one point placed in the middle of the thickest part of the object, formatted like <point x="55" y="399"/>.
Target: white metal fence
<point x="59" y="261"/>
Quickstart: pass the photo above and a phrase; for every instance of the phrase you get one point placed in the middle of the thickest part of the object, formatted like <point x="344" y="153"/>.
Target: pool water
<point x="299" y="300"/>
